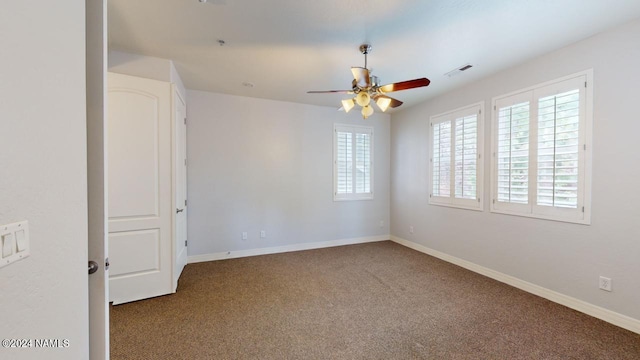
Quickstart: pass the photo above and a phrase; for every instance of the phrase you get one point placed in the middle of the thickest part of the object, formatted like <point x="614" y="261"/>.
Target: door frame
<point x="178" y="265"/>
<point x="96" y="84"/>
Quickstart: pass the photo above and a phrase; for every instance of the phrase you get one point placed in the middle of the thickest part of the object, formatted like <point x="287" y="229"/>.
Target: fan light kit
<point x="366" y="87"/>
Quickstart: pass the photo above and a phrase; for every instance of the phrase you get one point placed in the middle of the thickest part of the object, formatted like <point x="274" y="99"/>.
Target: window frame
<point x="583" y="81"/>
<point x="353" y="129"/>
<point x="451" y="200"/>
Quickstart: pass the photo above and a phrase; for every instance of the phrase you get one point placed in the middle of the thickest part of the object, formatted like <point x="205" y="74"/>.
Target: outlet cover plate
<point x="605" y="283"/>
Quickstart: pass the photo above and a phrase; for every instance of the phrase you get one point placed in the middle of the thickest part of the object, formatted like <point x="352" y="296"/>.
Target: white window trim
<point x="581" y="215"/>
<point x="468" y="204"/>
<point x="353" y="129"/>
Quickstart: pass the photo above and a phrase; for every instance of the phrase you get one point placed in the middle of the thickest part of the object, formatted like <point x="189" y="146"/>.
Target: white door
<point x="96" y="60"/>
<point x="139" y="178"/>
<point x="180" y="191"/>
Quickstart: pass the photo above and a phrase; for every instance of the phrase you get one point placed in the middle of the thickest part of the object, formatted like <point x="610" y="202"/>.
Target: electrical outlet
<point x="605" y="283"/>
<point x="411" y="229"/>
<point x="263" y="234"/>
<point x="244" y="235"/>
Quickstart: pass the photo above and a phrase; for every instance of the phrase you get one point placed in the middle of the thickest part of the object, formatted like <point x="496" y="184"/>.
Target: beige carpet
<point x="370" y="301"/>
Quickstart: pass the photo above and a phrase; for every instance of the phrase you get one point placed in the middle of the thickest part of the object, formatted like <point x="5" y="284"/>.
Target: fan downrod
<point x="365" y="49"/>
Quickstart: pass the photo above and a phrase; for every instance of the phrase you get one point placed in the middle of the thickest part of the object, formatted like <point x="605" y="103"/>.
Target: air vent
<point x="458" y="70"/>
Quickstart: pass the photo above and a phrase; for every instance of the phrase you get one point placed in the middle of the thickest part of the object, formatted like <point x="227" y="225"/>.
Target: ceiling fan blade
<point x="362" y="76"/>
<point x="394" y="102"/>
<point x="331" y="92"/>
<point x="391" y="102"/>
<point x="405" y="85"/>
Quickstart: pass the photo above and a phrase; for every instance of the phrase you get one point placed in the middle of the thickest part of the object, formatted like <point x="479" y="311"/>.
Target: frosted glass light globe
<point x="347" y="104"/>
<point x="363" y="98"/>
<point x="367" y="111"/>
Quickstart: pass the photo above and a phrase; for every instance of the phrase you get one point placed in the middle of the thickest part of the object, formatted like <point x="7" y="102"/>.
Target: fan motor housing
<point x="365" y="49"/>
<point x="375" y="82"/>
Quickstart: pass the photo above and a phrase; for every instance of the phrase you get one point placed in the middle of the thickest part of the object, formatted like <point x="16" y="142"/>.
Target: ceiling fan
<point x="366" y="88"/>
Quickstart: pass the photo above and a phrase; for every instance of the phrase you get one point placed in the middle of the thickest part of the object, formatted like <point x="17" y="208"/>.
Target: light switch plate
<point x="15" y="242"/>
<point x="22" y="242"/>
<point x="8" y="245"/>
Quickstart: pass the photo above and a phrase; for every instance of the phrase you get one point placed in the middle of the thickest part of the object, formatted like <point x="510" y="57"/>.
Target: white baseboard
<point x="601" y="313"/>
<point x="283" y="249"/>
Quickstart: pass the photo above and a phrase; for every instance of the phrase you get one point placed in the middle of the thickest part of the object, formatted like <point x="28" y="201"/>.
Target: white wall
<point x="566" y="258"/>
<point x="139" y="65"/>
<point x="145" y="66"/>
<point x="44" y="174"/>
<point x="258" y="164"/>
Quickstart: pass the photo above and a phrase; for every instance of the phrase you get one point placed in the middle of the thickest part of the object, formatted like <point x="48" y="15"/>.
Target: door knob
<point x="93" y="267"/>
<point x="179" y="210"/>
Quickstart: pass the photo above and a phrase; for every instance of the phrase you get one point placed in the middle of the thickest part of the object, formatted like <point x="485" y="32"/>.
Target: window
<point x="456" y="163"/>
<point x="352" y="162"/>
<point x="541" y="151"/>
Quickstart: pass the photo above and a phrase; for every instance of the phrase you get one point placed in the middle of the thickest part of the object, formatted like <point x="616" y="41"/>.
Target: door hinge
<point x="583" y="209"/>
<point x="585" y="147"/>
<point x="494" y="201"/>
<point x="185" y="243"/>
<point x="585" y="84"/>
<point x="494" y="107"/>
<point x="478" y="199"/>
<point x="185" y="162"/>
<point x="185" y="121"/>
<point x="185" y="202"/>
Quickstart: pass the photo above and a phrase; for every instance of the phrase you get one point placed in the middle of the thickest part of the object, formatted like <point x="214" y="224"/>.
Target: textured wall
<point x="563" y="257"/>
<point x="139" y="65"/>
<point x="267" y="165"/>
<point x="44" y="174"/>
<point x="147" y="67"/>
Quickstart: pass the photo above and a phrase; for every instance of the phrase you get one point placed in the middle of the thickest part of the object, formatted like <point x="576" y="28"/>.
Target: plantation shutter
<point x="344" y="162"/>
<point x="466" y="155"/>
<point x="362" y="171"/>
<point x="513" y="153"/>
<point x="441" y="159"/>
<point x="353" y="162"/>
<point x="558" y="149"/>
<point x="540" y="148"/>
<point x="455" y="148"/>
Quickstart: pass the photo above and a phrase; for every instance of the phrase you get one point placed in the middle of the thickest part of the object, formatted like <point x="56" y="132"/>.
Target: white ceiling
<point x="287" y="47"/>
